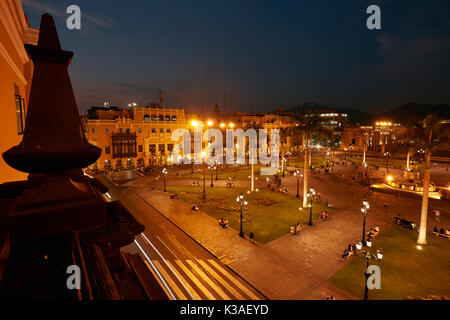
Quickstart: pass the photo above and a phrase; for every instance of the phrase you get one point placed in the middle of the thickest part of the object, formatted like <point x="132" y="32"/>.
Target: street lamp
<point x="164" y="172"/>
<point x="212" y="168"/>
<point x="203" y="154"/>
<point x="310" y="195"/>
<point x="364" y="209"/>
<point x="298" y="175"/>
<point x="216" y="166"/>
<point x="369" y="256"/>
<point x="242" y="202"/>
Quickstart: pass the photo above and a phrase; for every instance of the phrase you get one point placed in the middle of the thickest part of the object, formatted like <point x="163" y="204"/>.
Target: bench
<point x="437" y="234"/>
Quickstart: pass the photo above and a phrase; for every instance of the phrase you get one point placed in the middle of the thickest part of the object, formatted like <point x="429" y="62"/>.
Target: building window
<point x="161" y="149"/>
<point x="161" y="130"/>
<point x="140" y="148"/>
<point x="139" y="130"/>
<point x="170" y="147"/>
<point x="124" y="145"/>
<point x="20" y="114"/>
<point x="174" y="118"/>
<point x="106" y="130"/>
<point x="153" y="130"/>
<point x="152" y="149"/>
<point x="128" y="130"/>
<point x="108" y="150"/>
<point x="146" y="117"/>
<point x="168" y="130"/>
<point x="167" y="118"/>
<point x="93" y="130"/>
<point x="154" y="117"/>
<point x="161" y="118"/>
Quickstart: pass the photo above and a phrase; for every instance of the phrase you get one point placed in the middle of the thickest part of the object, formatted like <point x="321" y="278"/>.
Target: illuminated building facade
<point x="133" y="138"/>
<point x="16" y="71"/>
<point x="375" y="138"/>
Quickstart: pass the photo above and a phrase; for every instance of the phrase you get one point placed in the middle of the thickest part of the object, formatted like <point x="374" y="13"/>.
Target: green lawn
<point x="405" y="270"/>
<point x="382" y="162"/>
<point x="267" y="222"/>
<point x="299" y="162"/>
<point x="241" y="173"/>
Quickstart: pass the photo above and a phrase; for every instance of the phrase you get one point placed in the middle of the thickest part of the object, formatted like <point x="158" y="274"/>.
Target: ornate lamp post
<point x="298" y="175"/>
<point x="212" y="168"/>
<point x="204" y="178"/>
<point x="310" y="195"/>
<point x="242" y="202"/>
<point x="164" y="172"/>
<point x="283" y="161"/>
<point x="364" y="209"/>
<point x="216" y="167"/>
<point x="369" y="256"/>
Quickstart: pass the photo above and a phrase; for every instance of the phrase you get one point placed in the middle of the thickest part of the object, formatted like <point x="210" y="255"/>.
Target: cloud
<point x="413" y="49"/>
<point x="41" y="7"/>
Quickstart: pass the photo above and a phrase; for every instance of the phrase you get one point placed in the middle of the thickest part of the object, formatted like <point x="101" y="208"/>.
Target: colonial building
<point x="16" y="70"/>
<point x="132" y="138"/>
<point x="374" y="138"/>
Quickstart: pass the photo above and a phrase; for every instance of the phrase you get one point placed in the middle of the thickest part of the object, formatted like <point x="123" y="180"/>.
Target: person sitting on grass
<point x="252" y="237"/>
<point x="297" y="227"/>
<point x="346" y="254"/>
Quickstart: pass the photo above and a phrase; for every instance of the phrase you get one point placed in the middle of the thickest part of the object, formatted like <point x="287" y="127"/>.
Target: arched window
<point x="146" y="117"/>
<point x="154" y="117"/>
<point x="174" y="118"/>
<point x="161" y="118"/>
<point x="167" y="118"/>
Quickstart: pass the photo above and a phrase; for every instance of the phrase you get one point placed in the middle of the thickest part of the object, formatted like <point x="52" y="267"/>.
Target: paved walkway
<point x="296" y="267"/>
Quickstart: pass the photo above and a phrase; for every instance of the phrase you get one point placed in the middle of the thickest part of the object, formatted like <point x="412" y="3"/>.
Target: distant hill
<point x="399" y="114"/>
<point x="416" y="110"/>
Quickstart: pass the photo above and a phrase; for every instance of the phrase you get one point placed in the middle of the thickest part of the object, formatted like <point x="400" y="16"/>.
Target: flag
<point x="161" y="98"/>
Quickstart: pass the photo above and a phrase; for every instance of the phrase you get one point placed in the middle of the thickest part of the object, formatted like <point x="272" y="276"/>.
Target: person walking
<point x="252" y="237"/>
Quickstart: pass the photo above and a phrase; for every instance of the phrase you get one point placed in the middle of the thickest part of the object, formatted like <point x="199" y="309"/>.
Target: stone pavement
<point x="225" y="244"/>
<point x="296" y="267"/>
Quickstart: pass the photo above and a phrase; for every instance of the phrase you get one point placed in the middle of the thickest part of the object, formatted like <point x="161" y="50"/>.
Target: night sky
<point x="263" y="53"/>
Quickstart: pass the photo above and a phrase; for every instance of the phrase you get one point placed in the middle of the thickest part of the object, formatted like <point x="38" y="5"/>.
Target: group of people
<point x="324" y="215"/>
<point x="351" y="250"/>
<point x="442" y="231"/>
<point x="223" y="223"/>
<point x="173" y="195"/>
<point x="373" y="232"/>
<point x="295" y="228"/>
<point x="283" y="190"/>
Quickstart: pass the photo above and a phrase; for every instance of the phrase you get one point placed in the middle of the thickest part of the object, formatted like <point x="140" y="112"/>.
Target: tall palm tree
<point x="431" y="134"/>
<point x="253" y="125"/>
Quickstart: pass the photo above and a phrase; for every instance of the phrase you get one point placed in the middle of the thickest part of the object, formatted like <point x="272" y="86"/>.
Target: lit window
<point x="20" y="114"/>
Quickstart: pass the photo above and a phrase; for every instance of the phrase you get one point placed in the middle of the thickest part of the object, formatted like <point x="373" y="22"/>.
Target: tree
<point x="431" y="134"/>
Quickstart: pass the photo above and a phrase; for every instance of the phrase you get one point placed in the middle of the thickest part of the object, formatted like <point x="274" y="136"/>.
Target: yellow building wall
<point x="10" y="65"/>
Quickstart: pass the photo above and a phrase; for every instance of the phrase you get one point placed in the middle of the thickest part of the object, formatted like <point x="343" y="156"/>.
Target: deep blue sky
<point x="263" y="53"/>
